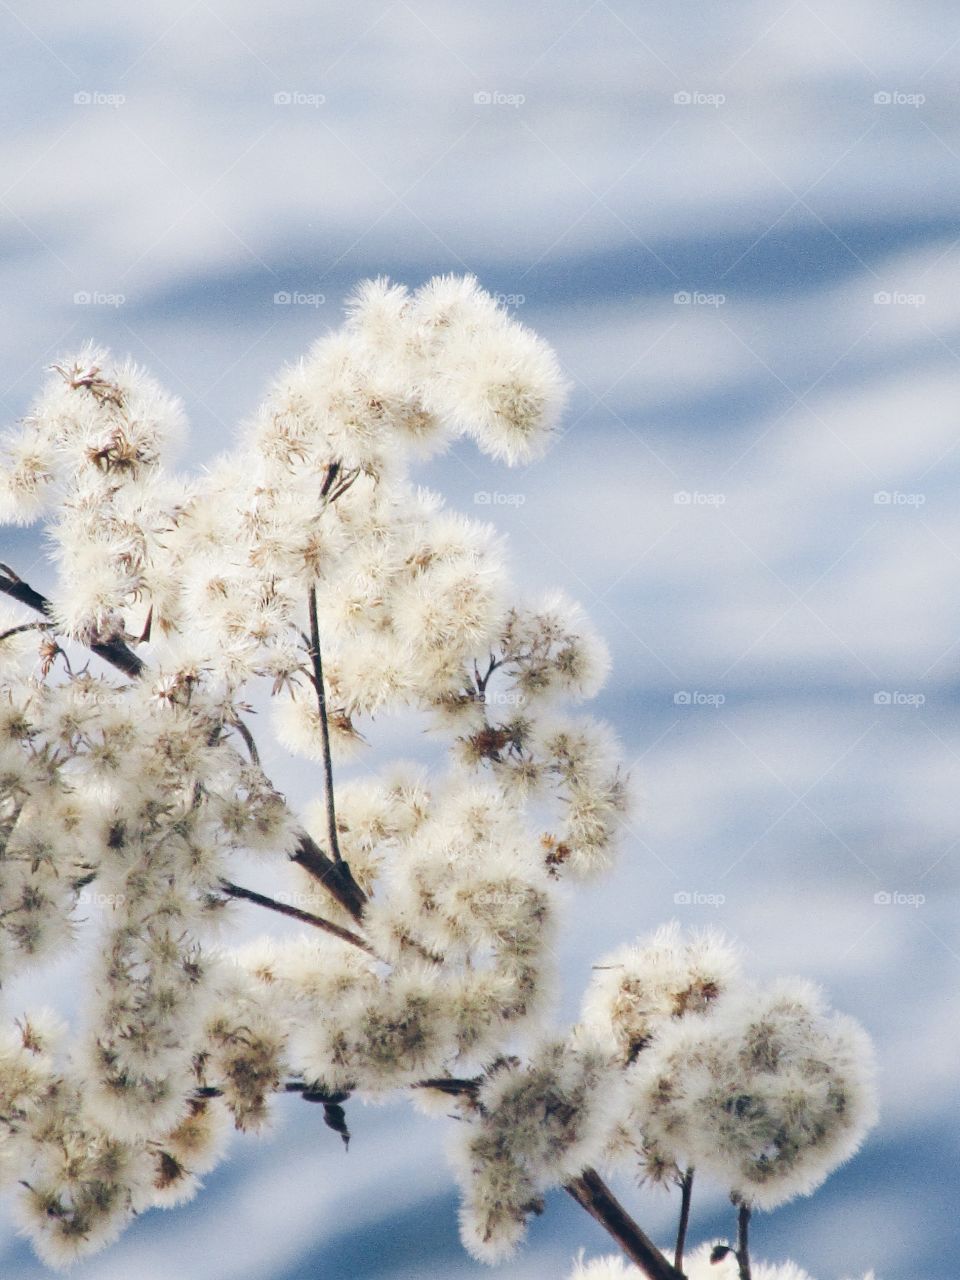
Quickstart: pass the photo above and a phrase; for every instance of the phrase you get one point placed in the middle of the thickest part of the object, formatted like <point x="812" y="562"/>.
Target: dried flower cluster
<point x="305" y="565"/>
<point x="710" y="1262"/>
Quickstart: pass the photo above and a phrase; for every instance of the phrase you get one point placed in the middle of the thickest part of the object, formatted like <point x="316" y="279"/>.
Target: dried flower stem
<point x="686" y="1192"/>
<point x="335" y="877"/>
<point x="116" y="652"/>
<point x="25" y="626"/>
<point x="318" y="922"/>
<point x="743" y="1241"/>
<point x="248" y="740"/>
<point x="452" y="1085"/>
<point x="324" y="726"/>
<point x="593" y="1194"/>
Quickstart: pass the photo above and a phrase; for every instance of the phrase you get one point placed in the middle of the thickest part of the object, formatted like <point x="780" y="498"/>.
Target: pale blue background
<point x="799" y="598"/>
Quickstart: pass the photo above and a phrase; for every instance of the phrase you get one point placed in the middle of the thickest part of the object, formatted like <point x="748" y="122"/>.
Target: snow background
<point x="813" y="428"/>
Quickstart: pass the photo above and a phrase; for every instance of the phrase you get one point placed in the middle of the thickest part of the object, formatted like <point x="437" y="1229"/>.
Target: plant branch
<point x="25" y="626"/>
<point x="332" y="472"/>
<point x="248" y="741"/>
<point x="116" y="651"/>
<point x="450" y="1084"/>
<point x="344" y="481"/>
<point x="324" y="725"/>
<point x="336" y="877"/>
<point x="483" y="680"/>
<point x="686" y="1191"/>
<point x="593" y="1194"/>
<point x="318" y="922"/>
<point x="214" y="1090"/>
<point x="743" y="1241"/>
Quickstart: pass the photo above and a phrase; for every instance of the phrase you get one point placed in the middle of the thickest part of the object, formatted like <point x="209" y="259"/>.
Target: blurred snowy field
<point x="737" y="226"/>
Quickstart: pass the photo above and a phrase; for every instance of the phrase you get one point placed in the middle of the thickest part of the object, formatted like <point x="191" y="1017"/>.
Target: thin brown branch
<point x="743" y="1241"/>
<point x="116" y="651"/>
<point x="337" y="481"/>
<point x="309" y="1092"/>
<point x="214" y="1090"/>
<point x="344" y="481"/>
<point x="24" y="626"/>
<point x="332" y="472"/>
<point x="324" y="725"/>
<point x="147" y="627"/>
<point x="248" y="741"/>
<point x="284" y="908"/>
<point x="336" y="877"/>
<point x="452" y="1085"/>
<point x="686" y="1191"/>
<point x="483" y="680"/>
<point x="593" y="1194"/>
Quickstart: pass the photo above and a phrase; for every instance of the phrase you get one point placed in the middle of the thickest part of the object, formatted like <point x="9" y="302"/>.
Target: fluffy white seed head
<point x="489" y="375"/>
<point x="553" y="648"/>
<point x="767" y="1092"/>
<point x="698" y="1264"/>
<point x="536" y="1126"/>
<point x="637" y="990"/>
